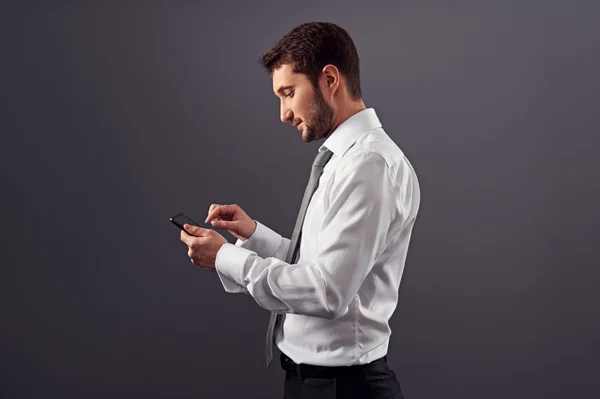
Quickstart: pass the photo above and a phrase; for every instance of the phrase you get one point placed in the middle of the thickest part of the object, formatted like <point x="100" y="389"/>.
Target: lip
<point x="299" y="125"/>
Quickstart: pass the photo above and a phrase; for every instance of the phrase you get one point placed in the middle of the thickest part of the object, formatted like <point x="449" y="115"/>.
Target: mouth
<point x="299" y="126"/>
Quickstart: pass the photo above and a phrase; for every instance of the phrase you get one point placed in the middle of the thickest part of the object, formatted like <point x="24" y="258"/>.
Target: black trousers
<point x="374" y="380"/>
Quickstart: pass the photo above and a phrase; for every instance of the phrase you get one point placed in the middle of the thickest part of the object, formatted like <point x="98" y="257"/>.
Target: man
<point x="333" y="287"/>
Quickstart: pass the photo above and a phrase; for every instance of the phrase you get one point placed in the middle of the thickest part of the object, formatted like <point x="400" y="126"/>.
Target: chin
<point x="306" y="138"/>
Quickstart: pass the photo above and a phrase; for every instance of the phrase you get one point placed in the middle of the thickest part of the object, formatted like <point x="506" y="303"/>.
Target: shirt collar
<point x="346" y="134"/>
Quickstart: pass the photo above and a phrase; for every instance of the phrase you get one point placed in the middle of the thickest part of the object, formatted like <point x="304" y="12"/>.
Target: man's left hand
<point x="203" y="245"/>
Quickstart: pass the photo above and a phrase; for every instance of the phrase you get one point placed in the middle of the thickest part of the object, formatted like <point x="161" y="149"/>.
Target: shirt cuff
<point x="263" y="241"/>
<point x="229" y="264"/>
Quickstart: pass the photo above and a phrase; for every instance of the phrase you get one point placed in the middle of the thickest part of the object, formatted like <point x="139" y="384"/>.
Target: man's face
<point x="301" y="104"/>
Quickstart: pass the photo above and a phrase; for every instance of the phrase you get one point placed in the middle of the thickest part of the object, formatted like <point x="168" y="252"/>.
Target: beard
<point x="319" y="120"/>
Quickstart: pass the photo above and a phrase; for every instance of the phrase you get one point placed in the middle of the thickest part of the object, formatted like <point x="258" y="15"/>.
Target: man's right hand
<point x="232" y="218"/>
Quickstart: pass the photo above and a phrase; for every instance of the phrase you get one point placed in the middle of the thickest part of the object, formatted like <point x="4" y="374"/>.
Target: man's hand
<point x="203" y="245"/>
<point x="232" y="218"/>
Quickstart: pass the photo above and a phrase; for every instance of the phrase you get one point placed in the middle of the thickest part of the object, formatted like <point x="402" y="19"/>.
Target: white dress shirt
<point x="339" y="296"/>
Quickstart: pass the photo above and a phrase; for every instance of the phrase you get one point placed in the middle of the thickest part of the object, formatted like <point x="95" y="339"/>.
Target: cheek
<point x="303" y="108"/>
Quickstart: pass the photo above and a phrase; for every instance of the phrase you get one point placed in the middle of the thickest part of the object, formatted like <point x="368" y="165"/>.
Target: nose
<point x="285" y="113"/>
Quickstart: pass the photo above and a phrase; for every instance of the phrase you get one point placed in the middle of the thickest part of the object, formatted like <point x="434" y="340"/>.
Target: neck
<point x="347" y="110"/>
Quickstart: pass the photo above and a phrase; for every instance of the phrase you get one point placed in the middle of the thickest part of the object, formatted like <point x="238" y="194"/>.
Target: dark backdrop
<point x="119" y="114"/>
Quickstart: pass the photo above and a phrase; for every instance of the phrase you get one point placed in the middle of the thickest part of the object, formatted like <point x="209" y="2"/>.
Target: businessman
<point x="333" y="286"/>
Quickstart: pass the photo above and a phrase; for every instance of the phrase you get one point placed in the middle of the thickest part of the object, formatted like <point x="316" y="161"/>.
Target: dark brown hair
<point x="312" y="45"/>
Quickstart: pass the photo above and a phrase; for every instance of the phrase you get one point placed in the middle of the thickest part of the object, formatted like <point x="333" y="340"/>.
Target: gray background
<point x="117" y="115"/>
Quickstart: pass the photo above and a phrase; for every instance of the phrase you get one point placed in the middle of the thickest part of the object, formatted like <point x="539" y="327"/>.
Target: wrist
<point x="253" y="230"/>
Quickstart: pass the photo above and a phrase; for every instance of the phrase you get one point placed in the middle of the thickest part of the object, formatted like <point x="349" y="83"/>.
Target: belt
<point x="311" y="371"/>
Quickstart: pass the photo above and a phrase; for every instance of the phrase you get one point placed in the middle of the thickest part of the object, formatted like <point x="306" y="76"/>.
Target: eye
<point x="290" y="94"/>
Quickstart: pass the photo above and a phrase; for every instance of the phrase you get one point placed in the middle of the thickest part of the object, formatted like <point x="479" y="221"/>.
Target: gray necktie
<point x="313" y="182"/>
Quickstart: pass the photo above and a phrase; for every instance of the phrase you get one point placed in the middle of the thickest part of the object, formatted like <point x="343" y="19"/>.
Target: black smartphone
<point x="180" y="219"/>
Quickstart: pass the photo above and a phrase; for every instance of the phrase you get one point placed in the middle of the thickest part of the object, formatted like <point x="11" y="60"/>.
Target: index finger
<point x="212" y="213"/>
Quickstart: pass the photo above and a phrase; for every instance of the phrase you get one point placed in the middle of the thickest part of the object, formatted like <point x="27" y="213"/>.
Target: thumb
<point x="192" y="230"/>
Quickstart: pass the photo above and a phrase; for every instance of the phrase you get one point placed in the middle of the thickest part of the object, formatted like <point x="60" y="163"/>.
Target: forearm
<point x="282" y="287"/>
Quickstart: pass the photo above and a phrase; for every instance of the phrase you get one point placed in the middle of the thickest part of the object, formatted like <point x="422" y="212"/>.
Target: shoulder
<point x="376" y="151"/>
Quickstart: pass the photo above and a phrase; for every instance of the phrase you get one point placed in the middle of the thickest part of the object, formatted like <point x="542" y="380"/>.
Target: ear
<point x="332" y="79"/>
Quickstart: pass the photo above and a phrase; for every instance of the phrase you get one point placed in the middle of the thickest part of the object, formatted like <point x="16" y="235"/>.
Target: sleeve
<point x="352" y="236"/>
<point x="264" y="242"/>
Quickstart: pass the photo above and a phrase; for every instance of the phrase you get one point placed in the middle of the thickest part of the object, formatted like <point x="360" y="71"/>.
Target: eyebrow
<point x="284" y="88"/>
